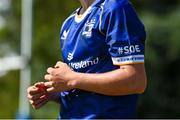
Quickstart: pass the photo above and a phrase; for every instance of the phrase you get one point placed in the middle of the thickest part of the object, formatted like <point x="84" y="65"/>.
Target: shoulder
<point x="113" y="5"/>
<point x="69" y="19"/>
<point x="71" y="15"/>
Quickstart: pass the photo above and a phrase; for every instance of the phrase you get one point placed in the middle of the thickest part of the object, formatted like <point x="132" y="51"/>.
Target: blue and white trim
<point x="78" y="18"/>
<point x="67" y="20"/>
<point x="100" y="20"/>
<point x="133" y="59"/>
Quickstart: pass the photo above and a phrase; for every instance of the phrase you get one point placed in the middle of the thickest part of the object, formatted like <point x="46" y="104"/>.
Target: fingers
<point x="50" y="87"/>
<point x="51" y="77"/>
<point x="51" y="90"/>
<point x="58" y="64"/>
<point x="36" y="96"/>
<point x="50" y="70"/>
<point x="38" y="103"/>
<point x="49" y="84"/>
<point x="53" y="71"/>
<point x="40" y="85"/>
<point x="48" y="77"/>
<point x="44" y="96"/>
<point x="33" y="90"/>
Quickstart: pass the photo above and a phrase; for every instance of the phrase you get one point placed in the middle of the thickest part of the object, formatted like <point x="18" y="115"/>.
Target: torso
<point x="85" y="50"/>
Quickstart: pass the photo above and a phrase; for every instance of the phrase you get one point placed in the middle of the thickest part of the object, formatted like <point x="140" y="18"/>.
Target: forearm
<point x="124" y="81"/>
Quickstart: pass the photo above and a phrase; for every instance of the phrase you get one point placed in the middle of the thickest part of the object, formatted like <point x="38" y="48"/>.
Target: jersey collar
<point x="79" y="18"/>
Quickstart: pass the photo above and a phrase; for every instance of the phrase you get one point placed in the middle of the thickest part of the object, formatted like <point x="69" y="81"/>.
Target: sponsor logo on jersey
<point x="84" y="64"/>
<point x="64" y="35"/>
<point x="70" y="56"/>
<point x="129" y="49"/>
<point x="87" y="31"/>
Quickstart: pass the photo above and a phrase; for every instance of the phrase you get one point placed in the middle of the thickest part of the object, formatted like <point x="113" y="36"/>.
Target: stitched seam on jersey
<point x="126" y="28"/>
<point x="67" y="20"/>
<point x="100" y="20"/>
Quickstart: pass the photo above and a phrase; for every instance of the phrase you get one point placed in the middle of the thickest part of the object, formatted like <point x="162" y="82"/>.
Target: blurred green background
<point x="162" y="22"/>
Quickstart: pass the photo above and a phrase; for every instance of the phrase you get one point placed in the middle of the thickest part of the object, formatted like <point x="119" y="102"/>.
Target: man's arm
<point x="128" y="79"/>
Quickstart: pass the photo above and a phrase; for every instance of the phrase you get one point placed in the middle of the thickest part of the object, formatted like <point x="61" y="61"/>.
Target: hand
<point x="37" y="95"/>
<point x="60" y="78"/>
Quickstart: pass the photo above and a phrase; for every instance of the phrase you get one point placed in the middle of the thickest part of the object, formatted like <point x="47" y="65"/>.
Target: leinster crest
<point x="87" y="31"/>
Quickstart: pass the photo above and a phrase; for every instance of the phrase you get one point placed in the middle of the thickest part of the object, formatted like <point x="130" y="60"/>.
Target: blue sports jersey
<point x="109" y="34"/>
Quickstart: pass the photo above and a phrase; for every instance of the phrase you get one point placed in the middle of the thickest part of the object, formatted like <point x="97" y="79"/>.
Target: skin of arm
<point x="128" y="79"/>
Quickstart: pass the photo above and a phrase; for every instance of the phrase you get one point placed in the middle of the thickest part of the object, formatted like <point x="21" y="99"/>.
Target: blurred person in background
<point x="103" y="71"/>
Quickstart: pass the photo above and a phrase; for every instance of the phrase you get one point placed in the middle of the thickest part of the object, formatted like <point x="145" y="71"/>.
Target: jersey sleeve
<point x="125" y="35"/>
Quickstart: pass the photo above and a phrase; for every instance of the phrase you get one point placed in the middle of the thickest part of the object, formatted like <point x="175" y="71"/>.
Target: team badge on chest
<point x="87" y="30"/>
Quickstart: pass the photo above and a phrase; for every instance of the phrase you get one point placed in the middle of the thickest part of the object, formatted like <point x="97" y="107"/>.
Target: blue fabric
<point x="110" y="34"/>
<point x="83" y="105"/>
